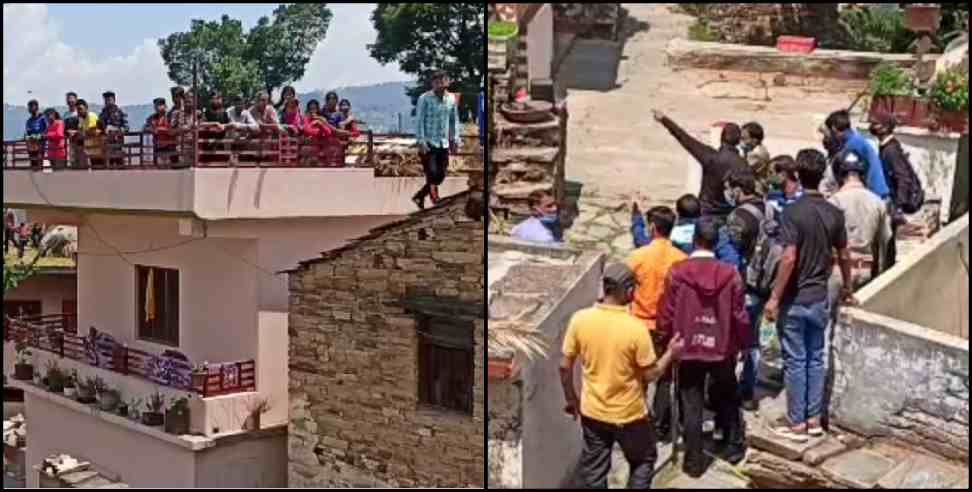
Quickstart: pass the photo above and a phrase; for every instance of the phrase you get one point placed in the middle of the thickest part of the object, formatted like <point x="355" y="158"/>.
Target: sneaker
<point x="814" y="428"/>
<point x="708" y="426"/>
<point x="419" y="202"/>
<point x="734" y="454"/>
<point x="789" y="433"/>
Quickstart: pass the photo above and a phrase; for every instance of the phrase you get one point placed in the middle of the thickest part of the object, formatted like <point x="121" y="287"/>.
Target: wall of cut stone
<point x="762" y="23"/>
<point x="355" y="418"/>
<point x="902" y="381"/>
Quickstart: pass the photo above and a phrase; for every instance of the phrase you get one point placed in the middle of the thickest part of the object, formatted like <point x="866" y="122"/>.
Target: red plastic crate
<point x="796" y="44"/>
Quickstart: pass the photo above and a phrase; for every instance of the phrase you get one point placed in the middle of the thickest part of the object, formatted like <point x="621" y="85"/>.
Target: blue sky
<point x="50" y="49"/>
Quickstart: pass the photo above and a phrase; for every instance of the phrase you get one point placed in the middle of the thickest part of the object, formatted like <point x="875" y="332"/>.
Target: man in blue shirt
<point x="688" y="208"/>
<point x="36" y="131"/>
<point x="544" y="226"/>
<point x="839" y="123"/>
<point x="437" y="133"/>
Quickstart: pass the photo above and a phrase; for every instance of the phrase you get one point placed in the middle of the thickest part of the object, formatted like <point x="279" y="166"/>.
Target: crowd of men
<point x="784" y="239"/>
<point x="81" y="134"/>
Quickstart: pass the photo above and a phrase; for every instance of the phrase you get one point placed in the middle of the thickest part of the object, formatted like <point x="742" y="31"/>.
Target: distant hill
<point x="377" y="105"/>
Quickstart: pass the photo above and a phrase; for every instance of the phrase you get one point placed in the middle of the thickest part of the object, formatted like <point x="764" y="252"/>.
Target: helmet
<point x="849" y="161"/>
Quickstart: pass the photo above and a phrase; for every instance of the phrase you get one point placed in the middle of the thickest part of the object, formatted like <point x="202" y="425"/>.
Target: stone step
<point x="529" y="154"/>
<point x="74" y="478"/>
<point x="923" y="472"/>
<point x="760" y="436"/>
<point x="859" y="469"/>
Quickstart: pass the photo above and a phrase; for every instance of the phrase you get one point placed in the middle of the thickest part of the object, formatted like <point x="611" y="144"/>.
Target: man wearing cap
<point x="866" y="218"/>
<point x="116" y="125"/>
<point x="906" y="190"/>
<point x="618" y="362"/>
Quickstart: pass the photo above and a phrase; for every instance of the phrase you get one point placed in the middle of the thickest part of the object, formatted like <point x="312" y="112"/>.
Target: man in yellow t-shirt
<point x="89" y="135"/>
<point x="651" y="264"/>
<point x="618" y="361"/>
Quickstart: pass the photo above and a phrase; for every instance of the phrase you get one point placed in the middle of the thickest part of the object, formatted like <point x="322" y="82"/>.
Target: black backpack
<point x="914" y="194"/>
<point x="763" y="263"/>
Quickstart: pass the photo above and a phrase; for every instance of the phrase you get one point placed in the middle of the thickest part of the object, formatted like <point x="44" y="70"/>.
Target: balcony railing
<point x="271" y="147"/>
<point x="57" y="334"/>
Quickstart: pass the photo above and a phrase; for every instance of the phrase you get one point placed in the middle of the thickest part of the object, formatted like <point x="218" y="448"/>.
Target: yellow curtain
<point x="150" y="296"/>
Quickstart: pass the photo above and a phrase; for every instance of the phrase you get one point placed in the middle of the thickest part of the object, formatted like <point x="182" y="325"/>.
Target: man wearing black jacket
<point x="715" y="163"/>
<point x="897" y="171"/>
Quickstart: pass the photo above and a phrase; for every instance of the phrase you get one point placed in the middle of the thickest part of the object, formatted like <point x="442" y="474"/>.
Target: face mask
<point x="745" y="148"/>
<point x="730" y="197"/>
<point x="550" y="219"/>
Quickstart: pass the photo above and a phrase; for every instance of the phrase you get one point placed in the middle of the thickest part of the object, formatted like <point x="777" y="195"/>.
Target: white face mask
<point x="730" y="195"/>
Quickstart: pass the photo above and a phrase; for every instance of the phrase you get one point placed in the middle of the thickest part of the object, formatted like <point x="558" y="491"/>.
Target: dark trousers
<point x="435" y="164"/>
<point x="661" y="407"/>
<point x="724" y="394"/>
<point x="637" y="441"/>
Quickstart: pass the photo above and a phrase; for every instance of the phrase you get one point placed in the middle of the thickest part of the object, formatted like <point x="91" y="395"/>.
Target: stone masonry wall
<point x="504" y="424"/>
<point x="897" y="380"/>
<point x="355" y="418"/>
<point x="761" y="24"/>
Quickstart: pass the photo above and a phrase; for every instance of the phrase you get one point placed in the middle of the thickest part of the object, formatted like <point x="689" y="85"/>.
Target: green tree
<point x="272" y="54"/>
<point x="15" y="273"/>
<point x="424" y="37"/>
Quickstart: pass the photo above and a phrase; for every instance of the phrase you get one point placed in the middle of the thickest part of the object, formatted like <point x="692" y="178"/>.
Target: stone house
<point x="387" y="356"/>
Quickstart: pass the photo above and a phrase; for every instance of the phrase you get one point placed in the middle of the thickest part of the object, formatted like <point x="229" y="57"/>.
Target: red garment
<point x="704" y="300"/>
<point x="316" y="129"/>
<point x="56" y="148"/>
<point x="353" y="128"/>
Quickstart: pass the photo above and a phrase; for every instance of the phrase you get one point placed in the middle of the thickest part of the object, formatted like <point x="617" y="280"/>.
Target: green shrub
<point x="876" y="30"/>
<point x="888" y="79"/>
<point x="700" y="31"/>
<point x="950" y="90"/>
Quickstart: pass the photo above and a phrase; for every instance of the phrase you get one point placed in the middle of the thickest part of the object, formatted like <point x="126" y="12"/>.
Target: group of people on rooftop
<point x="20" y="235"/>
<point x="99" y="137"/>
<point x="786" y="239"/>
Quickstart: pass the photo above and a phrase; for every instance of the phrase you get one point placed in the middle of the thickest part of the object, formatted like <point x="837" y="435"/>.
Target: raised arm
<point x="699" y="151"/>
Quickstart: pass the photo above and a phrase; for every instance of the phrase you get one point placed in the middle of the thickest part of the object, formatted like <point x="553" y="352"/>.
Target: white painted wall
<point x="540" y="44"/>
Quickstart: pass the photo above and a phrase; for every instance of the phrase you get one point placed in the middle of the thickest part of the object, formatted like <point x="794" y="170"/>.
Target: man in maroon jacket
<point x="704" y="301"/>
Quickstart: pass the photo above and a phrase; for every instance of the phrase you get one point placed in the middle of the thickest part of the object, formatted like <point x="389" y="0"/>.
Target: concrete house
<point x="181" y="264"/>
<point x="387" y="356"/>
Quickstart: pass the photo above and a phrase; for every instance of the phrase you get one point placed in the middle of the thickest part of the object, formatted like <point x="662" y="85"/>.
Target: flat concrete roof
<point x="527" y="281"/>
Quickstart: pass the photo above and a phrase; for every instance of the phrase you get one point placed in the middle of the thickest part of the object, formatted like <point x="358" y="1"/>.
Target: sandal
<point x="786" y="431"/>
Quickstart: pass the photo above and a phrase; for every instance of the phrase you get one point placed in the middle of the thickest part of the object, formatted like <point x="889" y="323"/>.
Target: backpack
<point x="760" y="268"/>
<point x="914" y="193"/>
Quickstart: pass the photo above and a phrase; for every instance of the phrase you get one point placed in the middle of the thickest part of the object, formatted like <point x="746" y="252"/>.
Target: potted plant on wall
<point x="255" y="408"/>
<point x="71" y="385"/>
<point x="24" y="368"/>
<point x="86" y="390"/>
<point x="55" y="377"/>
<point x="950" y="95"/>
<point x="177" y="417"/>
<point x="891" y="90"/>
<point x="152" y="416"/>
<point x="109" y="400"/>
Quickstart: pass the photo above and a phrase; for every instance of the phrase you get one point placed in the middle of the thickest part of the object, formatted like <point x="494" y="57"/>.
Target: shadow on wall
<point x="592" y="64"/>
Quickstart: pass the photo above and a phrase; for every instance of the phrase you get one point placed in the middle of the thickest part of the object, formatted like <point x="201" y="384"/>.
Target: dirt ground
<point x="615" y="148"/>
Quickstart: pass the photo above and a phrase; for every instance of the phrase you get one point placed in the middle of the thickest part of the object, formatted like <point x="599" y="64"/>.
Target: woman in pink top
<point x="56" y="148"/>
<point x="291" y="119"/>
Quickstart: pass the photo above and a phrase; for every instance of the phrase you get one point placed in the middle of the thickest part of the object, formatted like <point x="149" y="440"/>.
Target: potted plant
<point x="177" y="417"/>
<point x="24" y="368"/>
<point x="255" y="408"/>
<point x="55" y="377"/>
<point x="199" y="374"/>
<point x="131" y="409"/>
<point x="502" y="31"/>
<point x="71" y="385"/>
<point x="891" y="87"/>
<point x="950" y="95"/>
<point x="86" y="390"/>
<point x="152" y="416"/>
<point x="99" y="386"/>
<point x="109" y="400"/>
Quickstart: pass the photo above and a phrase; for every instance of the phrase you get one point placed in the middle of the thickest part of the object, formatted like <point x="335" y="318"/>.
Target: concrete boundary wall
<point x="839" y="64"/>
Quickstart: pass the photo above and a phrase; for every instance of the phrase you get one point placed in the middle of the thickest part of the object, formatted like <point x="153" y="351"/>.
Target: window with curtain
<point x="446" y="364"/>
<point x="158" y="305"/>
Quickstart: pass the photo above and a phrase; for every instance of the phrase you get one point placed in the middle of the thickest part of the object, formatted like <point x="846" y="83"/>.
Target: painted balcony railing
<point x="57" y="334"/>
<point x="271" y="147"/>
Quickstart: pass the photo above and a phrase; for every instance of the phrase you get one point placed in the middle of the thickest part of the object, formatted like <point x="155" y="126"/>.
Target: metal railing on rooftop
<point x="271" y="147"/>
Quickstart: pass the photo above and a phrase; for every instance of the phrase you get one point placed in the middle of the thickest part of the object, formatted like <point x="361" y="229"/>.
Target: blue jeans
<point x="802" y="330"/>
<point x="747" y="381"/>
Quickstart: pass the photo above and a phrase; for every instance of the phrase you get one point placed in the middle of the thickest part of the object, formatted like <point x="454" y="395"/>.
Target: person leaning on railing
<point x="83" y="139"/>
<point x="116" y="126"/>
<point x="56" y="151"/>
<point x="183" y="123"/>
<point x="213" y="127"/>
<point x="164" y="141"/>
<point x="34" y="136"/>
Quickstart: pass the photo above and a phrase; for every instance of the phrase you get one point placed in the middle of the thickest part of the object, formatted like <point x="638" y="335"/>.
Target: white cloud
<point x="342" y="59"/>
<point x="36" y="59"/>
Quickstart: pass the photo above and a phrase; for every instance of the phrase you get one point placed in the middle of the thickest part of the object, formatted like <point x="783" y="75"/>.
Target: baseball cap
<point x="618" y="274"/>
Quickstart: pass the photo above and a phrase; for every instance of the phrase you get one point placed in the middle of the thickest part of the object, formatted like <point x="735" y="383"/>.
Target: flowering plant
<point x="950" y="91"/>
